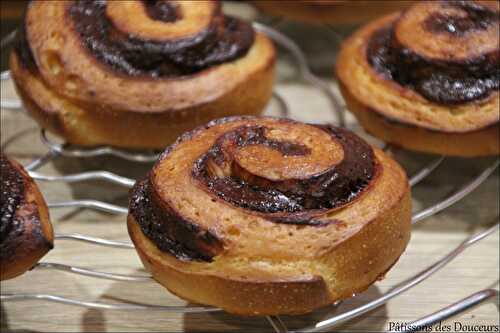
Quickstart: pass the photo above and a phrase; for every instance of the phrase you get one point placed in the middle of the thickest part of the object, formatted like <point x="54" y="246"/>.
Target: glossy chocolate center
<point x="290" y="201"/>
<point x="440" y="81"/>
<point x="224" y="40"/>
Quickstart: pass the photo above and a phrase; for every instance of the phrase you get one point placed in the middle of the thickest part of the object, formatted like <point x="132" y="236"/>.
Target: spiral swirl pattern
<point x="154" y="38"/>
<point x="270" y="216"/>
<point x="427" y="78"/>
<point x="160" y="38"/>
<point x="137" y="74"/>
<point x="448" y="51"/>
<point x="282" y="171"/>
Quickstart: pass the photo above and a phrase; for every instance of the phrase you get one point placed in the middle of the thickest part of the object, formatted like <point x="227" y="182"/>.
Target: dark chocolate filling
<point x="477" y="18"/>
<point x="226" y="39"/>
<point x="169" y="231"/>
<point x="331" y="189"/>
<point x="11" y="197"/>
<point x="438" y="81"/>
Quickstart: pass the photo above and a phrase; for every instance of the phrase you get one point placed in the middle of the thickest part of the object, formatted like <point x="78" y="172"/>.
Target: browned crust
<point x="345" y="12"/>
<point x="92" y="124"/>
<point x="235" y="296"/>
<point x="483" y="142"/>
<point x="469" y="129"/>
<point x="356" y="269"/>
<point x="66" y="67"/>
<point x="37" y="238"/>
<point x="348" y="263"/>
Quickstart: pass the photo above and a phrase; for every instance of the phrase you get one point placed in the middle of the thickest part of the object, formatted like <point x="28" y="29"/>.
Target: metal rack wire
<point x="56" y="150"/>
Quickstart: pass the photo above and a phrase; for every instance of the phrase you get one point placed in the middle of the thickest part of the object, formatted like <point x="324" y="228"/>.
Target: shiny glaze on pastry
<point x="427" y="79"/>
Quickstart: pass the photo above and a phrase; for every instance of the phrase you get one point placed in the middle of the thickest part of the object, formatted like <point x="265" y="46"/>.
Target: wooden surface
<point x="476" y="269"/>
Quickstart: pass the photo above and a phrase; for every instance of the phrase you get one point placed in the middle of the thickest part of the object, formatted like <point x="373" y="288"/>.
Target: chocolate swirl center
<point x="278" y="170"/>
<point x="223" y="39"/>
<point x="168" y="229"/>
<point x="446" y="51"/>
<point x="330" y="188"/>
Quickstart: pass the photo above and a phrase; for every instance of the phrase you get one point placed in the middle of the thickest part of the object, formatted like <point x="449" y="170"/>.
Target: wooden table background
<point x="476" y="269"/>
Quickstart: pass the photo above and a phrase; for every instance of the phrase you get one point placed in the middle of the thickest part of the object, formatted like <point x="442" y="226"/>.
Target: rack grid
<point x="56" y="150"/>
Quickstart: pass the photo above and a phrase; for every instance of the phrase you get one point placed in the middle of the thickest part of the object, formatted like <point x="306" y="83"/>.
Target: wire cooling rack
<point x="56" y="150"/>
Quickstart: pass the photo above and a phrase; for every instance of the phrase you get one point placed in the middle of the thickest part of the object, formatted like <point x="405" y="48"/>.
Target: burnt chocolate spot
<point x="162" y="10"/>
<point x="225" y="39"/>
<point x="438" y="81"/>
<point x="477" y="18"/>
<point x="168" y="230"/>
<point x="11" y="197"/>
<point x="331" y="189"/>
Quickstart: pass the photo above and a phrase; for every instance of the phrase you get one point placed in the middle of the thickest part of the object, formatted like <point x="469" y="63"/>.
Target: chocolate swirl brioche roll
<point x="334" y="12"/>
<point x="264" y="216"/>
<point x="25" y="231"/>
<point x="427" y="79"/>
<point x="137" y="74"/>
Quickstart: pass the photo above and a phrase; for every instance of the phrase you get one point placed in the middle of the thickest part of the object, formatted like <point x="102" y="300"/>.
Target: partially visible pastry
<point x="334" y="12"/>
<point x="267" y="216"/>
<point x="427" y="79"/>
<point x="25" y="231"/>
<point x="137" y="74"/>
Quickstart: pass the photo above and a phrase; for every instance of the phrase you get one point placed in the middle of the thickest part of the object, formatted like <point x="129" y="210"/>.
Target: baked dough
<point x="414" y="84"/>
<point x="267" y="216"/>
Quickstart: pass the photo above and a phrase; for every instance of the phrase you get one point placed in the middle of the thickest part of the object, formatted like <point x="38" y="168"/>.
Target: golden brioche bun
<point x="207" y="248"/>
<point x="404" y="116"/>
